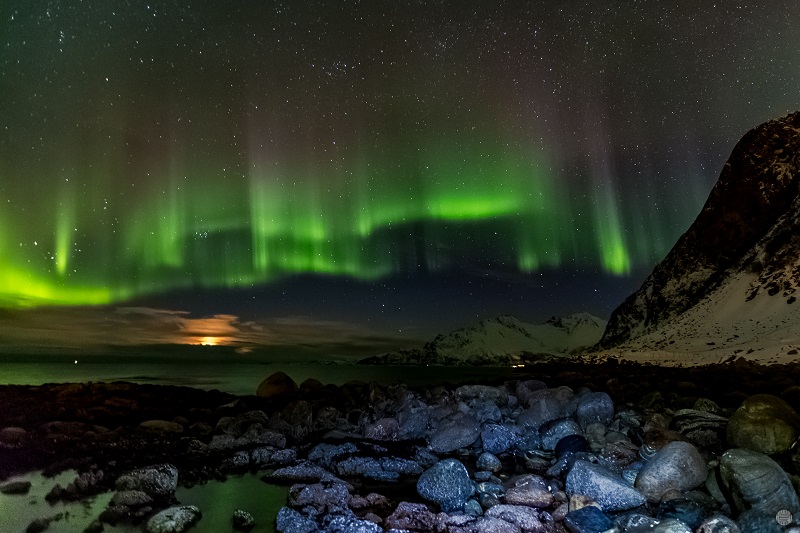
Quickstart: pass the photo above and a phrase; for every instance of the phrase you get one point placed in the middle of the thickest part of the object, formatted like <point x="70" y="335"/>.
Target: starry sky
<point x="278" y="171"/>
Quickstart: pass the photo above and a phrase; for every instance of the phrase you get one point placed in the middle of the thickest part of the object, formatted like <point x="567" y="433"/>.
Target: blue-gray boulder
<point x="603" y="486"/>
<point x="594" y="407"/>
<point x="678" y="466"/>
<point x="446" y="484"/>
<point x="458" y="431"/>
<point x="498" y="438"/>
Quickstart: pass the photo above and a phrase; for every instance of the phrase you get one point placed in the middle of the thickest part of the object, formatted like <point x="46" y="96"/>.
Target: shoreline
<point x="114" y="428"/>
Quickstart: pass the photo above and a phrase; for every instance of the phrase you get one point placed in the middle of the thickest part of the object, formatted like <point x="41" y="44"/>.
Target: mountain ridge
<point x="742" y="247"/>
<point x="503" y="340"/>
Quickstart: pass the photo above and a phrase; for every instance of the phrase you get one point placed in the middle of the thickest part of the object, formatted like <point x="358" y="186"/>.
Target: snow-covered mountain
<point x="501" y="341"/>
<point x="730" y="281"/>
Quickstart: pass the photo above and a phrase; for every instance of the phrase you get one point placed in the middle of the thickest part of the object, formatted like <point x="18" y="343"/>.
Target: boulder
<point x="757" y="482"/>
<point x="158" y="481"/>
<point x="276" y="384"/>
<point x="764" y="423"/>
<point x="173" y="520"/>
<point x="678" y="466"/>
<point x="446" y="484"/>
<point x="530" y="490"/>
<point x="603" y="486"/>
<point x="457" y="431"/>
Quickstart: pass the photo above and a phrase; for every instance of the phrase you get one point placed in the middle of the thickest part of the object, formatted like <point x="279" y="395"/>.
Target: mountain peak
<point x="745" y="235"/>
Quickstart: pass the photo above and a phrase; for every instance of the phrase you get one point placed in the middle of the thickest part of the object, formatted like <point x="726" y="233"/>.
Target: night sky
<point x="359" y="172"/>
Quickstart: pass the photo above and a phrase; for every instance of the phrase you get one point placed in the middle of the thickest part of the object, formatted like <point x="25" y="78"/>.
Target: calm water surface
<point x="237" y="378"/>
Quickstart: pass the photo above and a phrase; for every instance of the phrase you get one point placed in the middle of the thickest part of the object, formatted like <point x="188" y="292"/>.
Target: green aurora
<point x="181" y="231"/>
<point x="150" y="148"/>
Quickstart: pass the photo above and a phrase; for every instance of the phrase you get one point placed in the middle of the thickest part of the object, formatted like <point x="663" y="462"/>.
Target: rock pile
<point x="521" y="457"/>
<point x="525" y="458"/>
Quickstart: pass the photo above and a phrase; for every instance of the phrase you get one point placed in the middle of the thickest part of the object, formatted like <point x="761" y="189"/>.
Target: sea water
<point x="217" y="500"/>
<point x="236" y="377"/>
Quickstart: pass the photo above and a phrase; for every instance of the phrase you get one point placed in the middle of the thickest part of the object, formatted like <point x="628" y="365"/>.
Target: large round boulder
<point x="446" y="484"/>
<point x="676" y="466"/>
<point x="764" y="423"/>
<point x="757" y="482"/>
<point x="275" y="385"/>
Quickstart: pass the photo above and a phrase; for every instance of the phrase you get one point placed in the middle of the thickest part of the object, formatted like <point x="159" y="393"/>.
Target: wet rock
<point x="325" y="454"/>
<point x="299" y="420"/>
<point x="158" y="481"/>
<point x="603" y="486"/>
<point x="304" y="471"/>
<point x="325" y="498"/>
<point x="525" y="518"/>
<point x="687" y="511"/>
<point x="755" y="521"/>
<point x="525" y="388"/>
<point x="546" y="405"/>
<point x="276" y="384"/>
<point x="499" y="438"/>
<point x="530" y="490"/>
<point x="446" y="484"/>
<point x="764" y="423"/>
<point x="12" y="436"/>
<point x="173" y="520"/>
<point x="413" y="419"/>
<point x="411" y="517"/>
<point x="458" y="431"/>
<point x="471" y="393"/>
<point x="131" y="498"/>
<point x="488" y="462"/>
<point x="701" y="428"/>
<point x="41" y="524"/>
<point x="379" y="469"/>
<point x="670" y="525"/>
<point x="349" y="524"/>
<point x="594" y="407"/>
<point x="678" y="465"/>
<point x="242" y="520"/>
<point x="161" y="426"/>
<point x="588" y="520"/>
<point x="571" y="444"/>
<point x="553" y="431"/>
<point x="290" y="521"/>
<point x="718" y="524"/>
<point x="757" y="482"/>
<point x="16" y="487"/>
<point x="383" y="429"/>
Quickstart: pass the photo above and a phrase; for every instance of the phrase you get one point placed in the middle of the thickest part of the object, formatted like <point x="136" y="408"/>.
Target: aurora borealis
<point x="149" y="149"/>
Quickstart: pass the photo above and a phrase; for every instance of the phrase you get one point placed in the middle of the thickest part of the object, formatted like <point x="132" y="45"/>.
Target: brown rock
<point x="275" y="385"/>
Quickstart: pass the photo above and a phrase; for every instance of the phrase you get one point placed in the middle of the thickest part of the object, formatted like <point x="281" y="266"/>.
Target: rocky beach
<point x="569" y="446"/>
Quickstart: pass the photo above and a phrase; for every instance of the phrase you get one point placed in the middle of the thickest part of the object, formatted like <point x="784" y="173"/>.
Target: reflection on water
<point x="217" y="500"/>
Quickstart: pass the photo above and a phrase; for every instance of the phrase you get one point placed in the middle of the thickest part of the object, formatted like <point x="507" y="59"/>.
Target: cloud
<point x="96" y="329"/>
